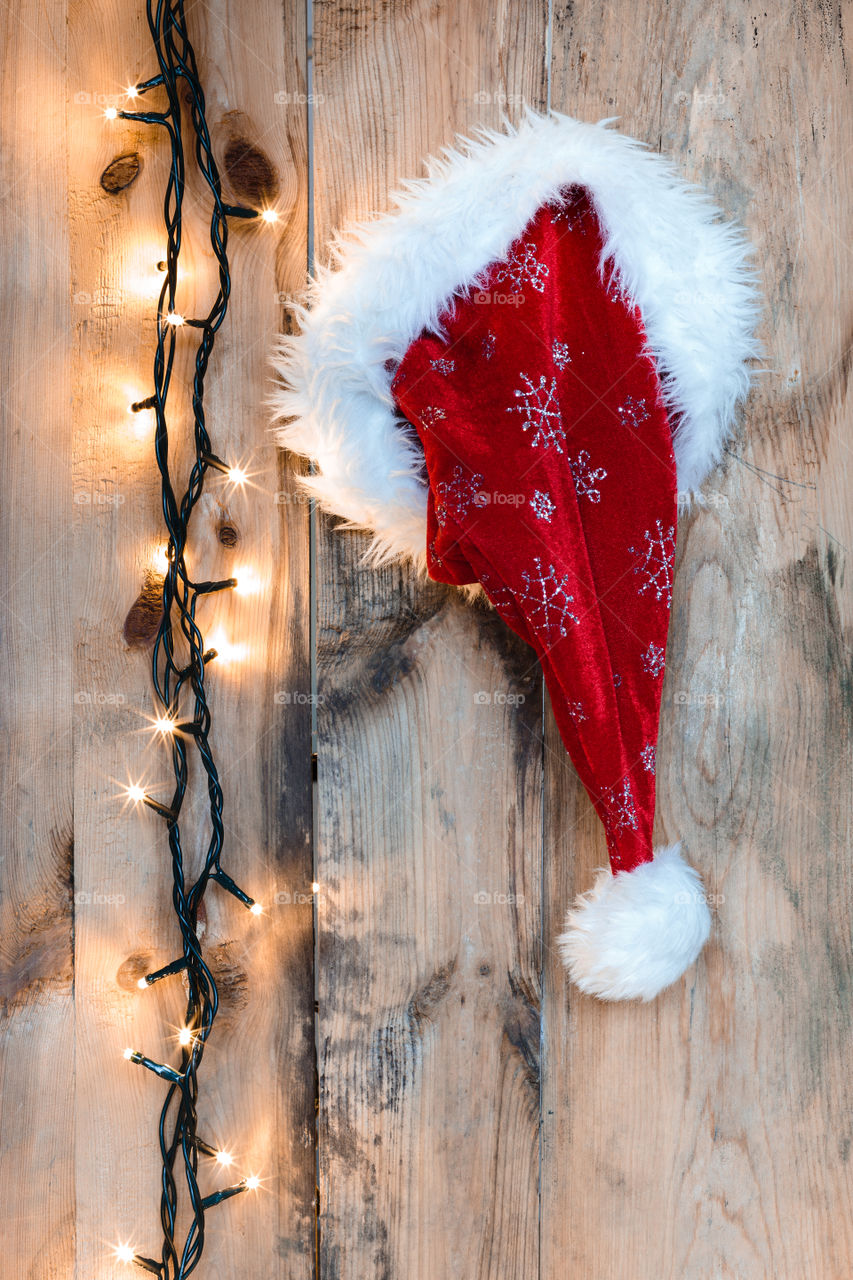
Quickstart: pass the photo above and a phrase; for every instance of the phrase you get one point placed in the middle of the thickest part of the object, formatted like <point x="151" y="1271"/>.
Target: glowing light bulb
<point x="142" y="420"/>
<point x="224" y="1158"/>
<point x="165" y="724"/>
<point x="248" y="582"/>
<point x="142" y="983"/>
<point x="128" y="1054"/>
<point x="135" y="793"/>
<point x="185" y="1036"/>
<point x="124" y="1253"/>
<point x="225" y="650"/>
<point x="237" y="475"/>
<point x="111" y="113"/>
<point x="256" y="909"/>
<point x="160" y="560"/>
<point x="253" y="1182"/>
<point x="269" y="215"/>
<point x="175" y="319"/>
<point x="132" y="91"/>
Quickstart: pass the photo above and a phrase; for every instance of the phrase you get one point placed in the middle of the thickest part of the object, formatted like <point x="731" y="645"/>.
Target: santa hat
<point x="511" y="381"/>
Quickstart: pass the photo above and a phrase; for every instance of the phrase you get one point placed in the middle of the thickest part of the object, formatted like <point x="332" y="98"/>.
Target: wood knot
<point x="232" y="981"/>
<point x="228" y="534"/>
<point x="424" y="1004"/>
<point x="134" y="967"/>
<point x="251" y="173"/>
<point x="121" y="172"/>
<point x="143" y="619"/>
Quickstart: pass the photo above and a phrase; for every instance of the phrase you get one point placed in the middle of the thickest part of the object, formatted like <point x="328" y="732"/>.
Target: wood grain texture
<point x="709" y="1136"/>
<point x="477" y="1118"/>
<point x="36" y="834"/>
<point x="429" y="800"/>
<point x="257" y="1079"/>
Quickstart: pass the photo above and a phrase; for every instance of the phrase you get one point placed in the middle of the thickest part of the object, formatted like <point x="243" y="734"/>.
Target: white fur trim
<point x="636" y="932"/>
<point x="393" y="276"/>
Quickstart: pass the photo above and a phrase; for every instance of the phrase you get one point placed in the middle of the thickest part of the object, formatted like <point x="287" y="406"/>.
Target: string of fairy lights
<point x="180" y="656"/>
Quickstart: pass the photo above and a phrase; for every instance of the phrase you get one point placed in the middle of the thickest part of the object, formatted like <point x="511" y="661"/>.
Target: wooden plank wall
<point x="476" y="1118"/>
<point x="37" y="1021"/>
<point x="79" y="1136"/>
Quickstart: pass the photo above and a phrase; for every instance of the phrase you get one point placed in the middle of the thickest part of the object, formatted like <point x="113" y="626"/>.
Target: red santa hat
<point x="512" y="381"/>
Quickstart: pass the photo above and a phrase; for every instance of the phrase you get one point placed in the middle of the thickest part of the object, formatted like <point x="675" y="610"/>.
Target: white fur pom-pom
<point x="636" y="932"/>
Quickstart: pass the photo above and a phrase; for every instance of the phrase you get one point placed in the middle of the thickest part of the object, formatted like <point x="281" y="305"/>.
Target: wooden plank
<point x="705" y="1136"/>
<point x="708" y="1135"/>
<point x="36" y="836"/>
<point x="428" y="801"/>
<point x="257" y="1086"/>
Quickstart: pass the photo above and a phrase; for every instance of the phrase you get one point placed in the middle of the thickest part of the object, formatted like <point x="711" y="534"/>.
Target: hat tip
<point x="634" y="934"/>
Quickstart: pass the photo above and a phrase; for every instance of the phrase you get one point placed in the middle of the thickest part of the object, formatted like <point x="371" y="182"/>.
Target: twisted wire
<point x="180" y="681"/>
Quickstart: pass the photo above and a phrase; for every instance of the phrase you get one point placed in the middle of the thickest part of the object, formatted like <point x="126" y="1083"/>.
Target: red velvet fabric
<point x="552" y="482"/>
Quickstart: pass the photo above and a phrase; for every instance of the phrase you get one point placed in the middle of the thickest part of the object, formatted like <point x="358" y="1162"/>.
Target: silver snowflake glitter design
<point x="658" y="555"/>
<point x="560" y="354"/>
<point x="576" y="711"/>
<point x="560" y="210"/>
<point x="443" y="366"/>
<point x="653" y="659"/>
<point x="649" y="757"/>
<point x="456" y="495"/>
<point x="489" y="341"/>
<point x="568" y="208"/>
<point x="500" y="596"/>
<point x="619" y="804"/>
<point x="633" y="412"/>
<point x="431" y="415"/>
<point x="522" y="267"/>
<point x="543" y="507"/>
<point x="586" y="479"/>
<point x="547" y="598"/>
<point x="541" y="412"/>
